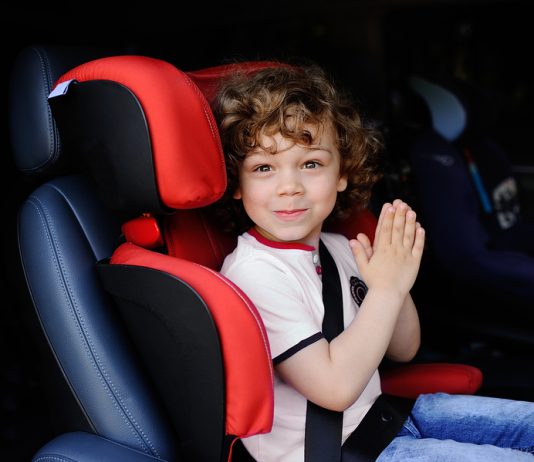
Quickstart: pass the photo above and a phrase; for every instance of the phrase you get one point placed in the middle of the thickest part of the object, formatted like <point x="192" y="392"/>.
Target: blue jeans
<point x="457" y="428"/>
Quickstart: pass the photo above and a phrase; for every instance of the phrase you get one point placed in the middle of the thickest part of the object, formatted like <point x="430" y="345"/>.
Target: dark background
<point x="369" y="47"/>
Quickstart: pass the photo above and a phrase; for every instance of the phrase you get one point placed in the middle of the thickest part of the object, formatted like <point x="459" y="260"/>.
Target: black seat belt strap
<point x="324" y="428"/>
<point x="322" y="442"/>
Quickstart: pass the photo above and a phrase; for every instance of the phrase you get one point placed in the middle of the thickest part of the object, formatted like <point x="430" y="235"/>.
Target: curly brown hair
<point x="286" y="99"/>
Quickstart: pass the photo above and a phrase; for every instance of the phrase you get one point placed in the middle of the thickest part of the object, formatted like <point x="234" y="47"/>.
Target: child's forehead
<point x="318" y="131"/>
<point x="322" y="137"/>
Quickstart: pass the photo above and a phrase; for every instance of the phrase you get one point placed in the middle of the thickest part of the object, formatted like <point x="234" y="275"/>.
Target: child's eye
<point x="263" y="168"/>
<point x="311" y="164"/>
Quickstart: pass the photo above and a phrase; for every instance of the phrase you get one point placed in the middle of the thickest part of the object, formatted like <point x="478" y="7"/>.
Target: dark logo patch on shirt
<point x="358" y="289"/>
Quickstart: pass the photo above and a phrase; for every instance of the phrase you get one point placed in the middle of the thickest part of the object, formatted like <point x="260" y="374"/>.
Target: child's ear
<point x="237" y="194"/>
<point x="342" y="183"/>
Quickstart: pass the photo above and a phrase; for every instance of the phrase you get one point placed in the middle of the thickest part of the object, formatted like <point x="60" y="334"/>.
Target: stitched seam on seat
<point x="146" y="440"/>
<point x="204" y="103"/>
<point x="79" y="322"/>
<point x="47" y="85"/>
<point x="209" y="117"/>
<point x="53" y="457"/>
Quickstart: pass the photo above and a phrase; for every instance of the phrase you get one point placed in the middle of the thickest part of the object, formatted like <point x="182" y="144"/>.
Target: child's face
<point x="289" y="194"/>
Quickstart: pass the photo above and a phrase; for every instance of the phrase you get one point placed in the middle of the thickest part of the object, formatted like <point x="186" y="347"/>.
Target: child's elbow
<point x="342" y="406"/>
<point x="413" y="349"/>
<point x="407" y="353"/>
<point x="336" y="404"/>
<point x="340" y="398"/>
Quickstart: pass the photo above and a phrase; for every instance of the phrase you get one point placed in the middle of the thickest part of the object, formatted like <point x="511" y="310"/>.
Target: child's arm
<point x="334" y="375"/>
<point x="406" y="337"/>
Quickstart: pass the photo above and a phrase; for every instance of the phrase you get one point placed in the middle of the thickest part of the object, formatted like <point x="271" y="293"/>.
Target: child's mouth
<point x="290" y="214"/>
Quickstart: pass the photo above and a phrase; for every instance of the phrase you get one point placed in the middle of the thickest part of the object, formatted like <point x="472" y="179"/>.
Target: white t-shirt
<point x="282" y="281"/>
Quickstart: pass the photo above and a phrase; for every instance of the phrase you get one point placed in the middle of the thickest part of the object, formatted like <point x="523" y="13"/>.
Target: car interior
<point x="128" y="344"/>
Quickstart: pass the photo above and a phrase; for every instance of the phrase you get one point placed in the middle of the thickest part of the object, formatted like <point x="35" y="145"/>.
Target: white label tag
<point x="60" y="89"/>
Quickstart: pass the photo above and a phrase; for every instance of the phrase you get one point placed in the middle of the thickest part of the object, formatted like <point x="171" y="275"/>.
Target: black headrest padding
<point x="35" y="143"/>
<point x="103" y="122"/>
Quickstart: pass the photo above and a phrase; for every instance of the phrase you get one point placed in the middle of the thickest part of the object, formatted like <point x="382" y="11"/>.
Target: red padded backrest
<point x="193" y="236"/>
<point x="190" y="235"/>
<point x="208" y="79"/>
<point x="360" y="221"/>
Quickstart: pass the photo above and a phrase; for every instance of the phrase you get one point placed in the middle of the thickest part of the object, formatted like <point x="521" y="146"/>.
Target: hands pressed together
<point x="392" y="262"/>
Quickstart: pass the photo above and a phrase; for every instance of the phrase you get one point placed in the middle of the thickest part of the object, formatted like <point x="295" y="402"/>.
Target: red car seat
<point x="144" y="132"/>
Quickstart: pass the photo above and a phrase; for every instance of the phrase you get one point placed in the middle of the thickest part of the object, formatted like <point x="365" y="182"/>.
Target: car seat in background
<point x="470" y="205"/>
<point x="167" y="359"/>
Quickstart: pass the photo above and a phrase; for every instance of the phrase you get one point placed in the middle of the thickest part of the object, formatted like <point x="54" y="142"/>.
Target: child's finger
<point x="382" y="213"/>
<point x="383" y="235"/>
<point x="366" y="243"/>
<point x="410" y="229"/>
<point x="399" y="223"/>
<point x="419" y="242"/>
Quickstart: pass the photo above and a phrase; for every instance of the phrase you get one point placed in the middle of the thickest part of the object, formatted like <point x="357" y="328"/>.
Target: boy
<point x="298" y="154"/>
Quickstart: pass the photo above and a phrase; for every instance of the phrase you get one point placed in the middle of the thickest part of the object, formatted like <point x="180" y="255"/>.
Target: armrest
<point x="411" y="380"/>
<point x="87" y="447"/>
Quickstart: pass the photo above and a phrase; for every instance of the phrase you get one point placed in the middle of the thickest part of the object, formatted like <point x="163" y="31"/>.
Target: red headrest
<point x="186" y="149"/>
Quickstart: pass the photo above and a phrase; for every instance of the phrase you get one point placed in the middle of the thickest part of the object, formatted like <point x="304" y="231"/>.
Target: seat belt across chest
<point x="324" y="427"/>
<point x="322" y="442"/>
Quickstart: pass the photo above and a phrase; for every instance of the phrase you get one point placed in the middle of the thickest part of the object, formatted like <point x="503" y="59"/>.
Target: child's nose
<point x="289" y="183"/>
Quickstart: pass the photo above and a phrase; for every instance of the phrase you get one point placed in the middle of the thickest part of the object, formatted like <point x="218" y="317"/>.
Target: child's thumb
<point x="360" y="255"/>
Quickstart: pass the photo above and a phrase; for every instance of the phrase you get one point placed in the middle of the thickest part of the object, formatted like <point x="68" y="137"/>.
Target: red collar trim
<point x="278" y="245"/>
